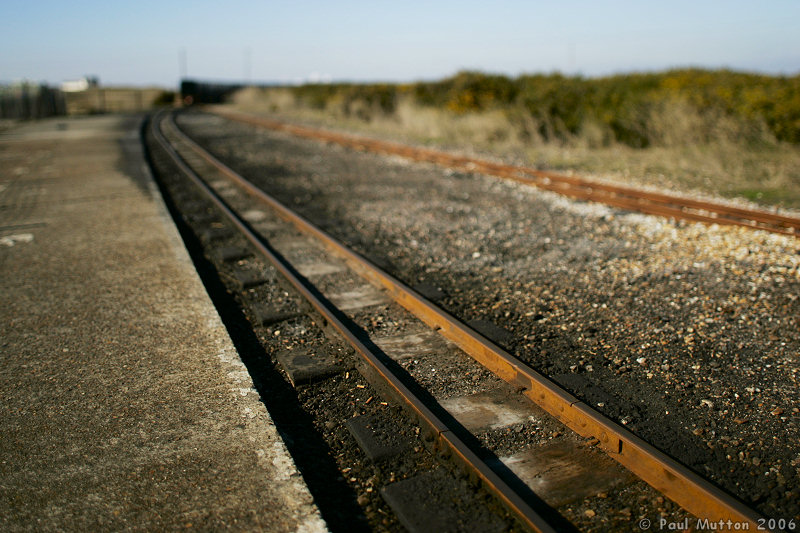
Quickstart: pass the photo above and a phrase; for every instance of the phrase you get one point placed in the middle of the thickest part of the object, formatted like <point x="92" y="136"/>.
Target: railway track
<point x="666" y="205"/>
<point x="551" y="460"/>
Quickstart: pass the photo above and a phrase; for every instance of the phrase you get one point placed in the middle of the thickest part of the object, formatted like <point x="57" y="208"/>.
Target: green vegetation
<point x="721" y="132"/>
<point x="637" y="110"/>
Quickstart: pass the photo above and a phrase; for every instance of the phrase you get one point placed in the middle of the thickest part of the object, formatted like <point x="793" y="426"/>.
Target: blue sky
<point x="142" y="42"/>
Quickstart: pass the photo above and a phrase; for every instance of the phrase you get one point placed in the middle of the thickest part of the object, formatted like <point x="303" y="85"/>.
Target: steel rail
<point x="447" y="440"/>
<point x="666" y="205"/>
<point x="674" y="480"/>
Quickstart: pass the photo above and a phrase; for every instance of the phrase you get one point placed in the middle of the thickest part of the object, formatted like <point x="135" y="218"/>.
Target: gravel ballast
<point x="684" y="333"/>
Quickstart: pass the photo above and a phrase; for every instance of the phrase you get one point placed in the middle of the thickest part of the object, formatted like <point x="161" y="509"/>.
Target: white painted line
<point x="11" y="240"/>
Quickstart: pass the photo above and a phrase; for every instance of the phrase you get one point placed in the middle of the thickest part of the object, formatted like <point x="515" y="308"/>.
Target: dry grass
<point x="725" y="163"/>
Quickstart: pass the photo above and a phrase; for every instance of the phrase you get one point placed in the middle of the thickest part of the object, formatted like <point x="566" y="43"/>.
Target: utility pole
<point x="571" y="59"/>
<point x="248" y="52"/>
<point x="182" y="63"/>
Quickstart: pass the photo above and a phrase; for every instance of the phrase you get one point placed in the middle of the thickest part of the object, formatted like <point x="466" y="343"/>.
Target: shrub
<point x="638" y="110"/>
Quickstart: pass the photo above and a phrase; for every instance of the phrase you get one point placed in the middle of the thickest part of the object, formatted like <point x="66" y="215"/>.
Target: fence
<point x="31" y="101"/>
<point x="114" y="100"/>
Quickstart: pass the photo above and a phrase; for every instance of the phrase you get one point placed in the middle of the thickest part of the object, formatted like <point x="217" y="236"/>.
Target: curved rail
<point x="677" y="482"/>
<point x="666" y="205"/>
<point x="446" y="439"/>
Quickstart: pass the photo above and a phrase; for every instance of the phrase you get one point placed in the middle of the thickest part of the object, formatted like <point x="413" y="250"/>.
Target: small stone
<point x="698" y="431"/>
<point x="740" y="420"/>
<point x="641" y="360"/>
<point x="707" y="403"/>
<point x="778" y="411"/>
<point x="589" y="513"/>
<point x="363" y="500"/>
<point x="756" y="461"/>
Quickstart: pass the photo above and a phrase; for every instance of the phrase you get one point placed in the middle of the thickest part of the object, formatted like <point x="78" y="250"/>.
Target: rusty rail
<point x="446" y="440"/>
<point x="666" y="205"/>
<point x="674" y="480"/>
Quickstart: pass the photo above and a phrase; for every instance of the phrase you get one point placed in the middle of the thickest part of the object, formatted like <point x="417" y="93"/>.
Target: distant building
<point x="83" y="84"/>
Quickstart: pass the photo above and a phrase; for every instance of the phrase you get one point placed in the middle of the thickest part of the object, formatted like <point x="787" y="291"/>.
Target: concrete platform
<point x="124" y="402"/>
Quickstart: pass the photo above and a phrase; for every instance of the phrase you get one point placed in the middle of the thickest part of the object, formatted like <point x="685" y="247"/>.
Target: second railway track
<point x="477" y="418"/>
<point x="644" y="201"/>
